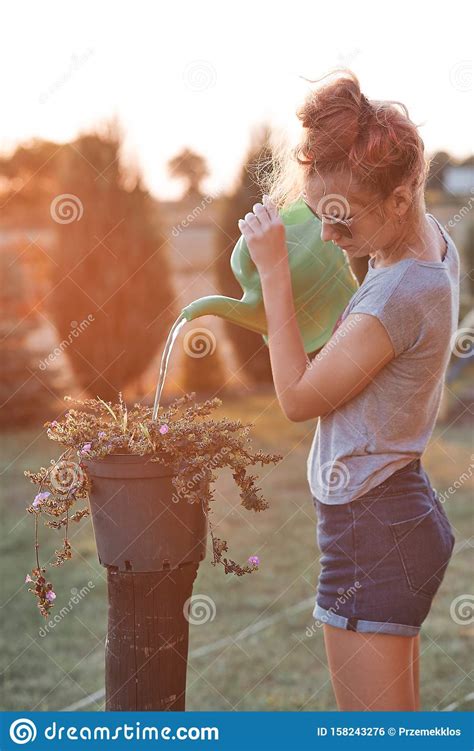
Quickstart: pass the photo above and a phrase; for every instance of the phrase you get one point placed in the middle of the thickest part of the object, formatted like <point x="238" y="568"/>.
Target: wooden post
<point x="147" y="642"/>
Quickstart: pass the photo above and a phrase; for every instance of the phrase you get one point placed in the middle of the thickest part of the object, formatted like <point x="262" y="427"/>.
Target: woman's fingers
<point x="260" y="218"/>
<point x="270" y="207"/>
<point x="252" y="221"/>
<point x="244" y="227"/>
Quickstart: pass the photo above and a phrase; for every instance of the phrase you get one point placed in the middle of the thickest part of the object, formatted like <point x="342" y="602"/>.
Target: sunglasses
<point x="343" y="226"/>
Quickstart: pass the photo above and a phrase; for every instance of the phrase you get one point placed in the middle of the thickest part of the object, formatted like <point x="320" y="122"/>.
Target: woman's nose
<point x="329" y="232"/>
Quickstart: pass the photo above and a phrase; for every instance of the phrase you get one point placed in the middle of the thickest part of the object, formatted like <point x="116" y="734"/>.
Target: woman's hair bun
<point x="377" y="141"/>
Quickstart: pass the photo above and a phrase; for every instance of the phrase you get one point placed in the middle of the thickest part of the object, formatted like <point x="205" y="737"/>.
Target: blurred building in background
<point x="450" y="197"/>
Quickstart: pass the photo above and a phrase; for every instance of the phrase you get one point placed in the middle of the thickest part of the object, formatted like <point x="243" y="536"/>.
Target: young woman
<point x="375" y="386"/>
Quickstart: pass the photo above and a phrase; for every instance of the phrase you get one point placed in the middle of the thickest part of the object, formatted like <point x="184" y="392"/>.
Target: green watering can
<point x="322" y="282"/>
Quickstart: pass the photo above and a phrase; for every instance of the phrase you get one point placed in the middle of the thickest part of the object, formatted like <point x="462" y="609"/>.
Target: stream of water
<point x="174" y="331"/>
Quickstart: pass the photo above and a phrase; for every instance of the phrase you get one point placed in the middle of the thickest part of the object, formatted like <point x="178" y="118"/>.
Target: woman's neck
<point x="422" y="242"/>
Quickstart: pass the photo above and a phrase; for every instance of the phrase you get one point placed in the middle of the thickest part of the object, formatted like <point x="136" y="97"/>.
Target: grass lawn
<point x="276" y="665"/>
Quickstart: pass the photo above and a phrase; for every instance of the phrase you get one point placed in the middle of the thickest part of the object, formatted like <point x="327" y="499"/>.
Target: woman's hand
<point x="264" y="233"/>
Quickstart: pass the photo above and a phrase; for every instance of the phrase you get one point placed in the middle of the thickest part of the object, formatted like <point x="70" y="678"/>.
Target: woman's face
<point x="339" y="198"/>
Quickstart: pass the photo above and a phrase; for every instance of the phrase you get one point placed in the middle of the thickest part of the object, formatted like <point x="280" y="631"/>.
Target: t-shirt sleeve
<point x="396" y="310"/>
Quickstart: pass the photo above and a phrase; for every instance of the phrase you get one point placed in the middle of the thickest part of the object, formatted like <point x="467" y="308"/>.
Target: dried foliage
<point x="183" y="437"/>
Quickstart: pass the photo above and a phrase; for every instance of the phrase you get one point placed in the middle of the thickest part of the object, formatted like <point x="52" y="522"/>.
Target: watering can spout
<point x="241" y="312"/>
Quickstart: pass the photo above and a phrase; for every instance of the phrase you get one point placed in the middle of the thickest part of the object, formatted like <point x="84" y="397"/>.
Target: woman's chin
<point x="355" y="251"/>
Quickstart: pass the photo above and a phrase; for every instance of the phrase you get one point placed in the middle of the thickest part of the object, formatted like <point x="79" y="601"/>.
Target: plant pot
<point x="137" y="525"/>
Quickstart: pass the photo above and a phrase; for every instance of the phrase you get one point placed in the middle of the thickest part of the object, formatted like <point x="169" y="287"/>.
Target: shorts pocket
<point x="425" y="549"/>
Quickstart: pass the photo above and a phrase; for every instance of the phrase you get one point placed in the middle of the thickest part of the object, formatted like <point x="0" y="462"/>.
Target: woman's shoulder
<point x="407" y="285"/>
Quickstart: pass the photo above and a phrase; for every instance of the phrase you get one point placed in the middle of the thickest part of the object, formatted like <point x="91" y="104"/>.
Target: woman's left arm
<point x="346" y="364"/>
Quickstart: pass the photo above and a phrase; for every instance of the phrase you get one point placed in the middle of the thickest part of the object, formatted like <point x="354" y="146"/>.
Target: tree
<point x="29" y="175"/>
<point x="26" y="391"/>
<point x="112" y="266"/>
<point x="191" y="168"/>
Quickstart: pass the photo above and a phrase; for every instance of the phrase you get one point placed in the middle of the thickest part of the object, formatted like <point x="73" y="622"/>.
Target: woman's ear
<point x="399" y="202"/>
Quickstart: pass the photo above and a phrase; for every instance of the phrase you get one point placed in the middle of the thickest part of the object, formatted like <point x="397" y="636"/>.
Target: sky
<point x="203" y="74"/>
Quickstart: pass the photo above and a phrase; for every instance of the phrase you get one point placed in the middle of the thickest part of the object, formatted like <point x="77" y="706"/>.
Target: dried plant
<point x="183" y="438"/>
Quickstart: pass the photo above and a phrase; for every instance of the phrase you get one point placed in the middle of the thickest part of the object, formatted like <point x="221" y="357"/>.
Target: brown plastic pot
<point x="137" y="525"/>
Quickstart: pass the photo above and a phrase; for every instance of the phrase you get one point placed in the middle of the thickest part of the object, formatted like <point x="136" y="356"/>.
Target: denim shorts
<point x="384" y="555"/>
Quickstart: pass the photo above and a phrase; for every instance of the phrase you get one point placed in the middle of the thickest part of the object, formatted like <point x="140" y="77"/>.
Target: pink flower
<point x="50" y="595"/>
<point x="164" y="429"/>
<point x="254" y="560"/>
<point x="39" y="498"/>
<point x="28" y="579"/>
<point x="86" y="448"/>
<point x="54" y="424"/>
<point x="102" y="434"/>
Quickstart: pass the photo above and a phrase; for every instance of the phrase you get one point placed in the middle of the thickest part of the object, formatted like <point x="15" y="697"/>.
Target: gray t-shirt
<point x="389" y="423"/>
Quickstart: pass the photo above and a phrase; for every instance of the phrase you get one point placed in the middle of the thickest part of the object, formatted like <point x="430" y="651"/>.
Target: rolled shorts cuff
<point x="356" y="624"/>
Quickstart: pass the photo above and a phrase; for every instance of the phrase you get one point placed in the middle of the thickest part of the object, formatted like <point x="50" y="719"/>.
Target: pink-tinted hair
<point x="344" y="131"/>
